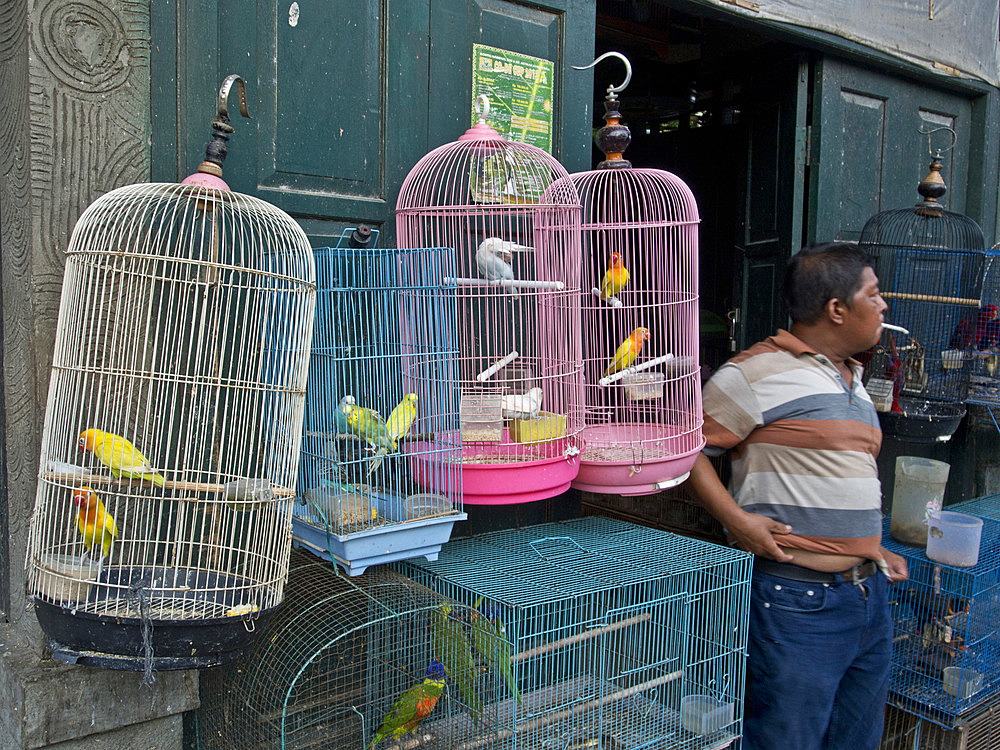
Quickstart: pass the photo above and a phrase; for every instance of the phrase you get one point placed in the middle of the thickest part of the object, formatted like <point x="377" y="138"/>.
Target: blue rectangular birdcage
<point x="982" y="330"/>
<point x="381" y="394"/>
<point x="615" y="636"/>
<point x="946" y="653"/>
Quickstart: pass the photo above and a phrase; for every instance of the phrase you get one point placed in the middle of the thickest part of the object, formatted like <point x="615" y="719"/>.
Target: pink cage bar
<point x="514" y="221"/>
<point x="642" y="386"/>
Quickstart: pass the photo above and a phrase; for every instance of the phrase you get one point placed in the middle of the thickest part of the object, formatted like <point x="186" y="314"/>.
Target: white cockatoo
<point x="523" y="405"/>
<point x="494" y="258"/>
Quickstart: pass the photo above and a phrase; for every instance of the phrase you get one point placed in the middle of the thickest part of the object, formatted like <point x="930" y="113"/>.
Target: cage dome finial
<point x="614" y="137"/>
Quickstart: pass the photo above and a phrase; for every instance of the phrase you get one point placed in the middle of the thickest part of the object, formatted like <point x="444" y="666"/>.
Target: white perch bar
<point x="614" y="378"/>
<point x="891" y="327"/>
<point x="506" y="283"/>
<point x="613" y="301"/>
<point x="493" y="369"/>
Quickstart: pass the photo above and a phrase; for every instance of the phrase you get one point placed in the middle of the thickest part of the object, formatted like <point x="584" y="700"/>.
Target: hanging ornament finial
<point x="614" y="137"/>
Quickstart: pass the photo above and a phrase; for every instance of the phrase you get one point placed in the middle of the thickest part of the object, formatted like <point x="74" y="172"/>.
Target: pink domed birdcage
<point x="517" y="243"/>
<point x="642" y="386"/>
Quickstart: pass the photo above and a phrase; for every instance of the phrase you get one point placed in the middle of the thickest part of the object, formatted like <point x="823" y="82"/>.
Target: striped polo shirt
<point x="803" y="445"/>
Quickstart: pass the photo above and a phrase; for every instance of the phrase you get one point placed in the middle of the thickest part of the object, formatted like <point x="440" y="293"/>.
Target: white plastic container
<point x="953" y="538"/>
<point x="644" y="386"/>
<point x="703" y="714"/>
<point x="961" y="682"/>
<point x="952" y="359"/>
<point x="918" y="490"/>
<point x="481" y="417"/>
<point x="68" y="578"/>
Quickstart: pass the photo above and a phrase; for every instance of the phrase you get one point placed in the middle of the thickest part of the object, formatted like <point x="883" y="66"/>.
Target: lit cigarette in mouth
<point x="891" y="327"/>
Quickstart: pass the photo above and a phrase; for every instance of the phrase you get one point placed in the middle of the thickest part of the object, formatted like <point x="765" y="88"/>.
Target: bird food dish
<point x="547" y="426"/>
<point x="703" y="714"/>
<point x="67" y="578"/>
<point x="644" y="386"/>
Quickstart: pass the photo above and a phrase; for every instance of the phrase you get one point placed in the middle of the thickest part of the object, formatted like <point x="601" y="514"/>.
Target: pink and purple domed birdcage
<point x="642" y="387"/>
<point x="514" y="222"/>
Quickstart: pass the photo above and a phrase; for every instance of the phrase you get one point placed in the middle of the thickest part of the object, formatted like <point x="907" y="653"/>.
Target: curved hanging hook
<point x="928" y="133"/>
<point x="612" y="90"/>
<point x="485" y="101"/>
<point x="241" y="90"/>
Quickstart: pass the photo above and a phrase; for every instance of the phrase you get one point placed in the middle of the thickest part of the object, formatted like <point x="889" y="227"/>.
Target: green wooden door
<point x="347" y="96"/>
<point x="867" y="154"/>
<point x="771" y="229"/>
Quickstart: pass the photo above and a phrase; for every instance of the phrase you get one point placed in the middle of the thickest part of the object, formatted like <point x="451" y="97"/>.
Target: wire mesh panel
<point x="380" y="453"/>
<point x="170" y="447"/>
<point x="614" y="635"/>
<point x="338" y="665"/>
<point x="642" y="386"/>
<point x="946" y="657"/>
<point x="517" y="275"/>
<point x="983" y="335"/>
<point x="930" y="265"/>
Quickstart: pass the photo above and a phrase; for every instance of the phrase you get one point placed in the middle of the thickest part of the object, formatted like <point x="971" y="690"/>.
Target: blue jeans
<point x="819" y="664"/>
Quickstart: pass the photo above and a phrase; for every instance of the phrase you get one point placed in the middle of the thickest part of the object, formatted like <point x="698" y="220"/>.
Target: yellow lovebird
<point x="396" y="426"/>
<point x="119" y="455"/>
<point x="626" y="353"/>
<point x="615" y="278"/>
<point x="94" y="522"/>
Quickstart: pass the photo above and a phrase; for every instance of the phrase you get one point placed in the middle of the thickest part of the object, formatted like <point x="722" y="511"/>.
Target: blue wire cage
<point x="613" y="635"/>
<point x="947" y="618"/>
<point x="984" y="357"/>
<point x="381" y="394"/>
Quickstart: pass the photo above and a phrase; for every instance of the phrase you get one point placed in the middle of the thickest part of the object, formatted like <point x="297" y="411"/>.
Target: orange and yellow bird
<point x="615" y="278"/>
<point x="95" y="524"/>
<point x="119" y="455"/>
<point x="626" y="353"/>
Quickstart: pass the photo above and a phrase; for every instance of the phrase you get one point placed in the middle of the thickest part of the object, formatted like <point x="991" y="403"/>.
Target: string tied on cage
<point x="139" y="596"/>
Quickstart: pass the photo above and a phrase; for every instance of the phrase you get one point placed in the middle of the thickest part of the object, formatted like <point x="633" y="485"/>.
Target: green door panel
<point x="867" y="154"/>
<point x="557" y="30"/>
<point x="347" y="96"/>
<point x="771" y="229"/>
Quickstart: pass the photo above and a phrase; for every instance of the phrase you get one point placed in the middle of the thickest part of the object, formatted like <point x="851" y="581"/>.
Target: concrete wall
<point x="74" y="123"/>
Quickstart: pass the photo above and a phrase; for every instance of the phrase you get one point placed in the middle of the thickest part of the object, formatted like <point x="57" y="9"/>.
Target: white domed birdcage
<point x="162" y="521"/>
<point x="516" y="239"/>
<point x="642" y="386"/>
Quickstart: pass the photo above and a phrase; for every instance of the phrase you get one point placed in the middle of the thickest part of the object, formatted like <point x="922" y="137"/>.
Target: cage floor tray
<point x="581" y="712"/>
<point x="634" y="459"/>
<point x="502" y="472"/>
<point x="388" y="543"/>
<point x="197" y="620"/>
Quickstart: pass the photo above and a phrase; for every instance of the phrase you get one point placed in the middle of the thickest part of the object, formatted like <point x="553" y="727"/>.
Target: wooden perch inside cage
<point x="586" y="635"/>
<point x="104" y="480"/>
<point x="966" y="301"/>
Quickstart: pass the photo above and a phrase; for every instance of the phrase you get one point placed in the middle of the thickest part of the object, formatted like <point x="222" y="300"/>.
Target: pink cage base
<point x="607" y="460"/>
<point x="501" y="483"/>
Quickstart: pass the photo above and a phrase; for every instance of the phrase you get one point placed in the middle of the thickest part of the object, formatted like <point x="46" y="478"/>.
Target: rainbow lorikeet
<point x="413" y="706"/>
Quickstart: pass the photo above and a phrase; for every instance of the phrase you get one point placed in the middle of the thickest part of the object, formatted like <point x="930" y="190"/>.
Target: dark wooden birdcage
<point x="930" y="264"/>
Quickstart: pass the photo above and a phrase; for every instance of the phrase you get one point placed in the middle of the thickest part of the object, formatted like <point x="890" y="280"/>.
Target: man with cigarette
<point x="806" y="501"/>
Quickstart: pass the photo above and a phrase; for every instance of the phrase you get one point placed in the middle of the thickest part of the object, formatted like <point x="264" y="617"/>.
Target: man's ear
<point x="834" y="309"/>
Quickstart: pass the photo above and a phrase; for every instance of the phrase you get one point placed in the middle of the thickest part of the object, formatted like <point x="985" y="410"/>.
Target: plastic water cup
<point x="704" y="714"/>
<point x="953" y="538"/>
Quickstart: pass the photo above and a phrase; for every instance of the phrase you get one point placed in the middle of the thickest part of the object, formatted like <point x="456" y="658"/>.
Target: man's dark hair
<point x="819" y="273"/>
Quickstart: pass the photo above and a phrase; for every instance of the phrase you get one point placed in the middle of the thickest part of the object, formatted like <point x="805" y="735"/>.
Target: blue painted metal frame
<point x="946" y="616"/>
<point x="385" y="327"/>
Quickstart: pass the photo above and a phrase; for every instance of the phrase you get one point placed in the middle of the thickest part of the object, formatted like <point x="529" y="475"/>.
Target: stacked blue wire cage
<point x="612" y="636"/>
<point x="984" y="355"/>
<point x="382" y="391"/>
<point x="946" y="654"/>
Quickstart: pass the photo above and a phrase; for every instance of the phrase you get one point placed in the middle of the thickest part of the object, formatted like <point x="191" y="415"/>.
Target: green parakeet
<point x="490" y="639"/>
<point x="413" y="706"/>
<point x="452" y="647"/>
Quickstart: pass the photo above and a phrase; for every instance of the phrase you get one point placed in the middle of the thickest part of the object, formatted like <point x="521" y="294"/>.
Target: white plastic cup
<point x="953" y="538"/>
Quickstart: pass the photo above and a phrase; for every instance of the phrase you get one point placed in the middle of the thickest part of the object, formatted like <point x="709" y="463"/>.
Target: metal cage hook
<point x="612" y="90"/>
<point x="928" y="133"/>
<point x="485" y="101"/>
<point x="241" y="91"/>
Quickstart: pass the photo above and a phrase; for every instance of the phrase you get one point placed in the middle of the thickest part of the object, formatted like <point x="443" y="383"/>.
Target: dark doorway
<point x="723" y="108"/>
